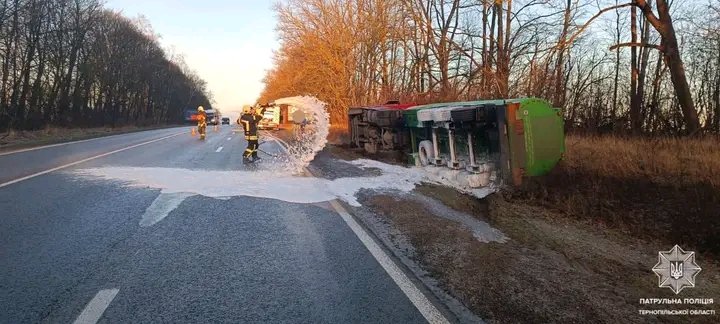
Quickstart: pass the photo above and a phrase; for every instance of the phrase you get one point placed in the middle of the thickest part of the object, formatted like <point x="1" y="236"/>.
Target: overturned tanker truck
<point x="483" y="142"/>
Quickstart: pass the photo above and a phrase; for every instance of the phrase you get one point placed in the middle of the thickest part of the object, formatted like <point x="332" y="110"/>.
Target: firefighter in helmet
<point x="201" y="121"/>
<point x="249" y="120"/>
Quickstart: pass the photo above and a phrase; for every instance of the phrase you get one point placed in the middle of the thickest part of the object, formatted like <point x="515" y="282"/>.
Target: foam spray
<point x="306" y="144"/>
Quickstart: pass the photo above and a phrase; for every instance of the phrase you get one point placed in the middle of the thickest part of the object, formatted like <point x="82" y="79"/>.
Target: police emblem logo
<point x="676" y="269"/>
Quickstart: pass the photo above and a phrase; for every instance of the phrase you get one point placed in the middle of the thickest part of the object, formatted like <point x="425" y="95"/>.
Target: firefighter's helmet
<point x="201" y="109"/>
<point x="246" y="109"/>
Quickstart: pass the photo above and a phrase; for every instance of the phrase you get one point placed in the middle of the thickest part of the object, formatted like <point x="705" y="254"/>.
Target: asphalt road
<point x="73" y="248"/>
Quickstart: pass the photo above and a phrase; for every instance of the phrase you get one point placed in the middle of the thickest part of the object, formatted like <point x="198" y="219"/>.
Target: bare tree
<point x="74" y="64"/>
<point x="356" y="52"/>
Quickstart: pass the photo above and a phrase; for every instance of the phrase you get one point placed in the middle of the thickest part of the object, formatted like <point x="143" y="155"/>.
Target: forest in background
<point x="73" y="63"/>
<point x="613" y="66"/>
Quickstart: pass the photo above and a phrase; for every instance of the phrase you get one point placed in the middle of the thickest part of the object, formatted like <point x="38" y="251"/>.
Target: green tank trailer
<point x="501" y="141"/>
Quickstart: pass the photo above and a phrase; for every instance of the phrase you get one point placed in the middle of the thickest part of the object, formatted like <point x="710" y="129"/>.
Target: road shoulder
<point x="550" y="269"/>
<point x="23" y="140"/>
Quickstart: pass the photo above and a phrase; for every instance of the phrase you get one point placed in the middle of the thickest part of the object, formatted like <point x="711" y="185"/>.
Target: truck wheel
<point x="426" y="152"/>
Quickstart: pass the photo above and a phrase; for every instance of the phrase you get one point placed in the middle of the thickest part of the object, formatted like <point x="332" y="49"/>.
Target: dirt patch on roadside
<point x="551" y="269"/>
<point x="342" y="152"/>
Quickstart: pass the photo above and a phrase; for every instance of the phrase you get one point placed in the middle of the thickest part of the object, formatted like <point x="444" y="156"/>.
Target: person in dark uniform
<point x="249" y="120"/>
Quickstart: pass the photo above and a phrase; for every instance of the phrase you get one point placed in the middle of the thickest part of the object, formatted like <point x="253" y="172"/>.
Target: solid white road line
<point x="85" y="160"/>
<point x="421" y="302"/>
<point x="52" y="145"/>
<point x="96" y="307"/>
<point x="219" y="149"/>
<point x="426" y="308"/>
<point x="60" y="144"/>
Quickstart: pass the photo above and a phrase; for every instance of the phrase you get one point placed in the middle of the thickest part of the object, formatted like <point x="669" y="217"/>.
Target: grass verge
<point x="666" y="189"/>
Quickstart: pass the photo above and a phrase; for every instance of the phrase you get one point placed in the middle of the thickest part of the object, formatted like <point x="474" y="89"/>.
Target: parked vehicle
<point x="212" y="117"/>
<point x="271" y="118"/>
<point x="515" y="138"/>
<point x="190" y="116"/>
<point x="225" y="121"/>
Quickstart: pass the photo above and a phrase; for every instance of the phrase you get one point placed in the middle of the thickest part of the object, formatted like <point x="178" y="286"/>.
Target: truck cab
<point x="212" y="117"/>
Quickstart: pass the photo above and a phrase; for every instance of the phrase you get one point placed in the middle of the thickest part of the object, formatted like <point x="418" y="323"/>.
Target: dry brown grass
<point x="667" y="189"/>
<point x="545" y="256"/>
<point x="671" y="161"/>
<point x="339" y="134"/>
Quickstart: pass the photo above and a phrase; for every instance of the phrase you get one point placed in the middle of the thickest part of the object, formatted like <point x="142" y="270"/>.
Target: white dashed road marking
<point x="97" y="306"/>
<point x="219" y="149"/>
<point x="229" y="138"/>
<point x="162" y="206"/>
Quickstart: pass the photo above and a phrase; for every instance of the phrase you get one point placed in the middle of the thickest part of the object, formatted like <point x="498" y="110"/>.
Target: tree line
<point x="627" y="66"/>
<point x="74" y="63"/>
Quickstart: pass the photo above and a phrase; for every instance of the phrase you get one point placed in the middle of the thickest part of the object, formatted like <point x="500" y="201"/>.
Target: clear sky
<point x="228" y="42"/>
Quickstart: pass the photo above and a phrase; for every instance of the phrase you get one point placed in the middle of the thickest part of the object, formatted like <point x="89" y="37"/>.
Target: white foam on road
<point x="265" y="183"/>
<point x="429" y="174"/>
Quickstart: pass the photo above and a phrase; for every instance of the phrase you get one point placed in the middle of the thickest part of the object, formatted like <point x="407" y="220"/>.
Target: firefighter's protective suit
<point x="201" y="122"/>
<point x="249" y="120"/>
